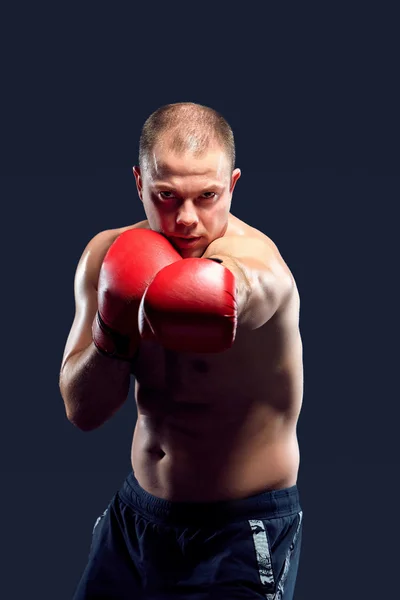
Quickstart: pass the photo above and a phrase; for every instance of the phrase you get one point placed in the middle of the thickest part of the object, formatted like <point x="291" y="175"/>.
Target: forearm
<point x="93" y="387"/>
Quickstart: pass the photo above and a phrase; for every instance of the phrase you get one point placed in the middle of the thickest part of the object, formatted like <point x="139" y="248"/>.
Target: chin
<point x="195" y="253"/>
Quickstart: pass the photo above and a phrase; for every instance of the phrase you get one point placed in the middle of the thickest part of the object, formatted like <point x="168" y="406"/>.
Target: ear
<point x="139" y="182"/>
<point x="235" y="176"/>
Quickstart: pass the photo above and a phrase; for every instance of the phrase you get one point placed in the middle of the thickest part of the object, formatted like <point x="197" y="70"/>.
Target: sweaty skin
<point x="210" y="426"/>
<point x="219" y="426"/>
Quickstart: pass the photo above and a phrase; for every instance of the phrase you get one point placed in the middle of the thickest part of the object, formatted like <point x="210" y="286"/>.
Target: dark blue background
<point x="311" y="94"/>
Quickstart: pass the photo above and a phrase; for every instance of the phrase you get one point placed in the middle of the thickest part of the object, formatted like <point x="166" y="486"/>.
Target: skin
<point x="184" y="195"/>
<point x="210" y="426"/>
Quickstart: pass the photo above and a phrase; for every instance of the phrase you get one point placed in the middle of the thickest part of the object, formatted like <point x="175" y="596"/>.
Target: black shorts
<point x="147" y="547"/>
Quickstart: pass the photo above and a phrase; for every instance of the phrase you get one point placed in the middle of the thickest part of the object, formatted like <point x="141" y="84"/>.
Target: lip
<point x="185" y="242"/>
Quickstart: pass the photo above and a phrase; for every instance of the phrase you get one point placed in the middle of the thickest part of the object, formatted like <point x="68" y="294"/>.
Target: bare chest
<point x="186" y="377"/>
<point x="261" y="366"/>
<point x="202" y="416"/>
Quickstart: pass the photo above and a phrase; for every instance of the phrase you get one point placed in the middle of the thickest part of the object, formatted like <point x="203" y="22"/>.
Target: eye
<point x="167" y="195"/>
<point x="208" y="195"/>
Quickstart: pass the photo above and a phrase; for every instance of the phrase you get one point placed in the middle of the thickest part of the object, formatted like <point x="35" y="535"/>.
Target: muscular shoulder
<point x="254" y="246"/>
<point x="259" y="260"/>
<point x="242" y="237"/>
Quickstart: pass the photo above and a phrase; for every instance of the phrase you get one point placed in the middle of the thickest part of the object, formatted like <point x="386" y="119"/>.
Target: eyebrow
<point x="209" y="184"/>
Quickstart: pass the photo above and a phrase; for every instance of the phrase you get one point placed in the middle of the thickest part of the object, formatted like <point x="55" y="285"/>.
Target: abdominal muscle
<point x="214" y="460"/>
<point x="223" y="426"/>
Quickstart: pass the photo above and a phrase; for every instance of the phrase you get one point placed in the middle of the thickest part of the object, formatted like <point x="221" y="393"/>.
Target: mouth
<point x="185" y="242"/>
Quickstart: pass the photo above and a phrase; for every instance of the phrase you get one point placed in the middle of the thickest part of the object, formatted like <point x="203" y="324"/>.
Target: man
<point x="204" y="312"/>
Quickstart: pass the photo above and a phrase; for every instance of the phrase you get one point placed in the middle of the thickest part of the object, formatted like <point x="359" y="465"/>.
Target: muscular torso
<point x="221" y="426"/>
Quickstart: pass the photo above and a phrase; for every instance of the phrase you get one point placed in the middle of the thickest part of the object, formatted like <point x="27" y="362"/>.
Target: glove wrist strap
<point x="109" y="342"/>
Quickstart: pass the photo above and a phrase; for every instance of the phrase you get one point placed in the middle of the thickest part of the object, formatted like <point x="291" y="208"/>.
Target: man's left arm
<point x="196" y="305"/>
<point x="263" y="281"/>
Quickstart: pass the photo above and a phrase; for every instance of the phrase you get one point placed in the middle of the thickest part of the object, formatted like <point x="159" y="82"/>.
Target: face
<point x="187" y="198"/>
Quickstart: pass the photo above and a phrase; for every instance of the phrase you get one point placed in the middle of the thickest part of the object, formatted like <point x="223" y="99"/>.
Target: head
<point x="186" y="175"/>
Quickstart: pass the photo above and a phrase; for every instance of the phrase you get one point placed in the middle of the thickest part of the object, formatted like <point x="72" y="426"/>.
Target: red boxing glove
<point x="191" y="306"/>
<point x="128" y="267"/>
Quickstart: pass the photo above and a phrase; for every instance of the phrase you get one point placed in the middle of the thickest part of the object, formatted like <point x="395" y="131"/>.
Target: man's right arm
<point x="93" y="386"/>
<point x="111" y="278"/>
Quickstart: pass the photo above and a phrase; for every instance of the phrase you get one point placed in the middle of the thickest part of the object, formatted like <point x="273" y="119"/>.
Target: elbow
<point x="75" y="417"/>
<point x="72" y="403"/>
<point x="82" y="424"/>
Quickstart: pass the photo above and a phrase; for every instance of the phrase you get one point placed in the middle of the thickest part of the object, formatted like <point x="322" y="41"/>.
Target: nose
<point x="187" y="215"/>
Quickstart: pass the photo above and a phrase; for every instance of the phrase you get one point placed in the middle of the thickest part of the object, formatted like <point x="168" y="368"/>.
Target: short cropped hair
<point x="190" y="127"/>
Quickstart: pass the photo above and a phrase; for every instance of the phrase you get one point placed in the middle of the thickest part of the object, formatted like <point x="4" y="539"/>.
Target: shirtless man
<point x="201" y="308"/>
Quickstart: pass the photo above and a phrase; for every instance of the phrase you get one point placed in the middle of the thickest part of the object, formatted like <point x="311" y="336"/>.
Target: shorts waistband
<point x="266" y="505"/>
